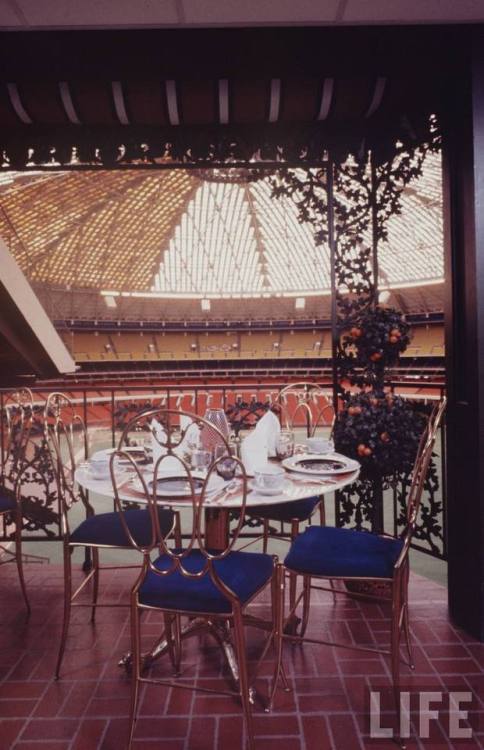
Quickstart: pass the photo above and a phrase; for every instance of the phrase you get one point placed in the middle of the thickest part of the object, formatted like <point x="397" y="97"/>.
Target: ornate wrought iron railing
<point x="107" y="410"/>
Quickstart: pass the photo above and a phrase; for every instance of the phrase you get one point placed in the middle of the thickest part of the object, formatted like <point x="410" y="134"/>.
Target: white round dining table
<point x="219" y="504"/>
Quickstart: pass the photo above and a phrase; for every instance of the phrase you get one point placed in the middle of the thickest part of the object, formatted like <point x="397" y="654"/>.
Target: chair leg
<point x="265" y="534"/>
<point x="95" y="581"/>
<point x="306" y="603"/>
<point x="243" y="676"/>
<point x="395" y="644"/>
<point x="67" y="606"/>
<point x="322" y="521"/>
<point x="178" y="643"/>
<point x="278" y="620"/>
<point x="406" y="623"/>
<point x="18" y="558"/>
<point x="135" y="669"/>
<point x="172" y="640"/>
<point x="322" y="512"/>
<point x="293" y="576"/>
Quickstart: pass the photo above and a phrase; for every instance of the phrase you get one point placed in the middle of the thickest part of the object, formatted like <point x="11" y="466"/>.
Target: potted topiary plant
<point x="380" y="430"/>
<point x="377" y="428"/>
<point x="373" y="343"/>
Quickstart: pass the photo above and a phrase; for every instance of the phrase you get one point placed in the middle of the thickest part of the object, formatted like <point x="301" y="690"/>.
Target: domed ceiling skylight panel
<point x="414" y="251"/>
<point x="94" y="231"/>
<point x="294" y="262"/>
<point x="213" y="250"/>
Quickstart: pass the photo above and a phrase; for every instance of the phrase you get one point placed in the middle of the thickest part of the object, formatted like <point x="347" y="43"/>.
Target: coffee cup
<point x="319" y="445"/>
<point x="269" y="477"/>
<point x="99" y="468"/>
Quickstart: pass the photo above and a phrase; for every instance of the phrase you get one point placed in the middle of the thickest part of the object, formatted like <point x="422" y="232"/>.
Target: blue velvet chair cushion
<point x="330" y="552"/>
<point x="243" y="572"/>
<point x="6" y="503"/>
<point x="106" y="528"/>
<point x="299" y="510"/>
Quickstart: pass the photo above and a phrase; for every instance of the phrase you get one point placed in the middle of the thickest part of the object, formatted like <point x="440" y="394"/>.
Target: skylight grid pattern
<point x="94" y="231"/>
<point x="237" y="240"/>
<point x="214" y="249"/>
<point x="294" y="262"/>
<point x="414" y="251"/>
<point x="181" y="235"/>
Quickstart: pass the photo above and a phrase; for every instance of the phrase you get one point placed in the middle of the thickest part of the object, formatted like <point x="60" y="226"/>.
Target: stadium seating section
<point x="428" y="341"/>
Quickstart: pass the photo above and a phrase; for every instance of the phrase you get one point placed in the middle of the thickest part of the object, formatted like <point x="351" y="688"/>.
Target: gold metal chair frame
<point x="18" y="412"/>
<point x="305" y="392"/>
<point x="61" y="425"/>
<point x="217" y="624"/>
<point x="398" y="584"/>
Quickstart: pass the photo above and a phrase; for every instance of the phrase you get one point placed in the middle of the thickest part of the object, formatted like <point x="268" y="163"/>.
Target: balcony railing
<point x="105" y="410"/>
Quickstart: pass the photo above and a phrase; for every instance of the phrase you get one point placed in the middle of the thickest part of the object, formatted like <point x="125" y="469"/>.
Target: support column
<point x="464" y="232"/>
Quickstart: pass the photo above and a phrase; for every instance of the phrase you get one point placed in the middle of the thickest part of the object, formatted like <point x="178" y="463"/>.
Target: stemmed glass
<point x="227" y="466"/>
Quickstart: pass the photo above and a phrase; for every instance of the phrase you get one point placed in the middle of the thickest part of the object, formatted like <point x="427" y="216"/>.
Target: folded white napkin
<point x="192" y="435"/>
<point x="260" y="443"/>
<point x="270" y="423"/>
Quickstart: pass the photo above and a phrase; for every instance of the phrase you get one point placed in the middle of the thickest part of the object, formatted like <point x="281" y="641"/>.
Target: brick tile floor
<point x="327" y="708"/>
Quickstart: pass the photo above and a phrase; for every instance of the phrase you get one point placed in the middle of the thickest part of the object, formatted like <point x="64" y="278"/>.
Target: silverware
<point x="220" y="496"/>
<point x="315" y="481"/>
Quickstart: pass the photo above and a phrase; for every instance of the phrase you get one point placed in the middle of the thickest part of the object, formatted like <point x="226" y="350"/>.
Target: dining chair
<point x="303" y="406"/>
<point x="67" y="442"/>
<point x="17" y="420"/>
<point x="205" y="580"/>
<point x="341" y="554"/>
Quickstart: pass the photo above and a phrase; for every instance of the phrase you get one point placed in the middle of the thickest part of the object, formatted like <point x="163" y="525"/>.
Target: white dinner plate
<point x="320" y="464"/>
<point x="268" y="490"/>
<point x="171" y="485"/>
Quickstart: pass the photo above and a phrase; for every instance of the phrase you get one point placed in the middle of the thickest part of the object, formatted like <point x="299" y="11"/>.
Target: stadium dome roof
<point x="147" y="239"/>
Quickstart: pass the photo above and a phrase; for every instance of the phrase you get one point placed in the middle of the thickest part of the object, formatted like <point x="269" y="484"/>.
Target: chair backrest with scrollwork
<point x="197" y="493"/>
<point x="244" y="413"/>
<point x="67" y="444"/>
<point x="308" y="406"/>
<point x="433" y="422"/>
<point x="17" y="428"/>
<point x="420" y="472"/>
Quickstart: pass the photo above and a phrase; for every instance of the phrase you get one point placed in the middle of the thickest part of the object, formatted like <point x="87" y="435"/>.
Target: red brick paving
<point x="326" y="709"/>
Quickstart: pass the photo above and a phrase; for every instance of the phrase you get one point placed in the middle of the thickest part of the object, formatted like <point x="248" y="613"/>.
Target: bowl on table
<point x="319" y="445"/>
<point x="269" y="477"/>
<point x="99" y="467"/>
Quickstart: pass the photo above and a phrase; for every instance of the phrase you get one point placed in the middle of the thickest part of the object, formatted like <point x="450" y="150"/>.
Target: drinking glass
<point x="201" y="459"/>
<point x="217" y="418"/>
<point x="219" y="451"/>
<point x="285" y="445"/>
<point x="227" y="468"/>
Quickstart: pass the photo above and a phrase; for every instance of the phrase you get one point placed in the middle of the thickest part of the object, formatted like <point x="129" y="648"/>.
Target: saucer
<point x="268" y="490"/>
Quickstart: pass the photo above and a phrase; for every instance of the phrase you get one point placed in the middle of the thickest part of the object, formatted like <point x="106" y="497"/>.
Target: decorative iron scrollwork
<point x="348" y="203"/>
